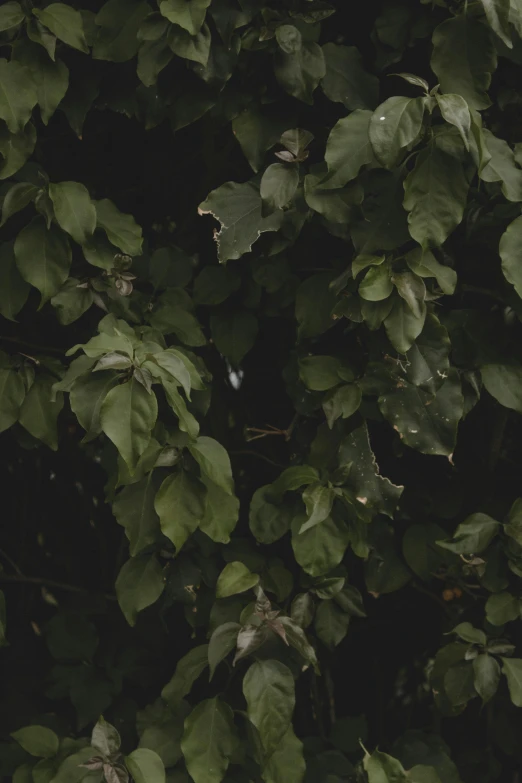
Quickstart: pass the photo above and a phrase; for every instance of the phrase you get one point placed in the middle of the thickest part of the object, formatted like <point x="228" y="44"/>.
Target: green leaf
<point x="17" y="95"/>
<point x="296" y="637"/>
<point x="105" y="738"/>
<point x="331" y="624"/>
<point x="119" y="22"/>
<point x="15" y="149"/>
<point x="395" y="124"/>
<point x="51" y="78"/>
<point x="249" y="639"/>
<point x="487" y="676"/>
<point x="468" y="633"/>
<point x="502" y="168"/>
<point x="39" y="414"/>
<point x="299" y="65"/>
<point x="268" y="687"/>
<point x="65" y="23"/>
<point x="504" y="383"/>
<point x="13" y="288"/>
<point x="172" y="362"/>
<point x="376" y="284"/>
<point x="382" y="768"/>
<point x="222" y="641"/>
<point x="153" y="57"/>
<point x="122" y="230"/>
<point x="74" y="210"/>
<point x="3" y="622"/>
<point x="214" y="284"/>
<point x="188" y="669"/>
<point x="209" y="741"/>
<point x="134" y="509"/>
<point x="455" y="110"/>
<point x="71" y="301"/>
<point x="497" y="14"/>
<point x="145" y="766"/>
<point x="86" y="397"/>
<point x="435" y="194"/>
<point x="188" y="14"/>
<point x="221" y="513"/>
<point x="38" y="741"/>
<point x="268" y="521"/>
<point x="346" y="81"/>
<point x="235" y="578"/>
<point x="318" y="501"/>
<point x="421" y="551"/>
<point x="314" y="303"/>
<point x="238" y="210"/>
<point x="139" y="584"/>
<point x="43" y="257"/>
<point x="512" y="668"/>
<point x="257" y="129"/>
<point x="12" y="393"/>
<point x="373" y="490"/>
<point x="502" y="608"/>
<point x="425" y="422"/>
<point x="342" y="402"/>
<point x="191" y="47"/>
<point x="180" y="506"/>
<point x="321" y="548"/>
<point x="511" y="254"/>
<point x="348" y="148"/>
<point x="214" y="462"/>
<point x="464" y="58"/>
<point x="39" y="34"/>
<point x="402" y="326"/>
<point x="11" y="15"/>
<point x="17" y="197"/>
<point x="278" y="185"/>
<point x="320" y="373"/>
<point x="234" y="333"/>
<point x="293" y="478"/>
<point x="128" y="414"/>
<point x="286" y="762"/>
<point x="473" y="535"/>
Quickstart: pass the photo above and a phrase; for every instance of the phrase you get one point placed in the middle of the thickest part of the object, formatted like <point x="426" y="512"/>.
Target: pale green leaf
<point x="17" y="95"/>
<point x="286" y="762"/>
<point x="121" y="229"/>
<point x="65" y="23"/>
<point x="128" y="414"/>
<point x="394" y="125"/>
<point x="235" y="578"/>
<point x="497" y="14"/>
<point x="145" y="766"/>
<point x="455" y="110"/>
<point x="348" y="148"/>
<point x="180" y="505"/>
<point x="510" y="250"/>
<point x="278" y="185"/>
<point x="214" y="462"/>
<point x="11" y="15"/>
<point x="38" y="741"/>
<point x="209" y="741"/>
<point x="435" y="195"/>
<point x="376" y="284"/>
<point x="268" y="687"/>
<point x="105" y="738"/>
<point x="382" y="768"/>
<point x="221" y="513"/>
<point x="188" y="14"/>
<point x="238" y="210"/>
<point x="222" y="641"/>
<point x="504" y="383"/>
<point x="487" y="676"/>
<point x="74" y="209"/>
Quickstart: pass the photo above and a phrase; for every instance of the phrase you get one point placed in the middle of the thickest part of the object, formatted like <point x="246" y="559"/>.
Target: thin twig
<point x="41" y="348"/>
<point x="11" y="562"/>
<point x="36" y="580"/>
<point x="252" y="453"/>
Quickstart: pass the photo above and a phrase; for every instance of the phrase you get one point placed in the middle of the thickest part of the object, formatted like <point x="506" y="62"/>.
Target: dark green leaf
<point x="65" y="23"/>
<point x="180" y="506"/>
<point x="512" y="668"/>
<point x="209" y="741"/>
<point x="346" y="81"/>
<point x="128" y="414"/>
<point x="487" y="676"/>
<point x="268" y="687"/>
<point x="188" y="669"/>
<point x="222" y="641"/>
<point x="395" y="124"/>
<point x="235" y="578"/>
<point x="473" y="535"/>
<point x="38" y="741"/>
<point x="139" y="584"/>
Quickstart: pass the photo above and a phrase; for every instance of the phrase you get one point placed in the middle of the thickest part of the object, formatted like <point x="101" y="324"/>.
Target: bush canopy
<point x="260" y="391"/>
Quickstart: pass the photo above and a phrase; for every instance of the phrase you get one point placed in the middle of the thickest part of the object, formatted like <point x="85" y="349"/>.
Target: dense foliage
<point x="261" y="386"/>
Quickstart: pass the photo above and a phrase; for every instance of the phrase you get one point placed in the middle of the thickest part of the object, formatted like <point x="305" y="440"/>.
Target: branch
<point x="36" y="580"/>
<point x="31" y="346"/>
